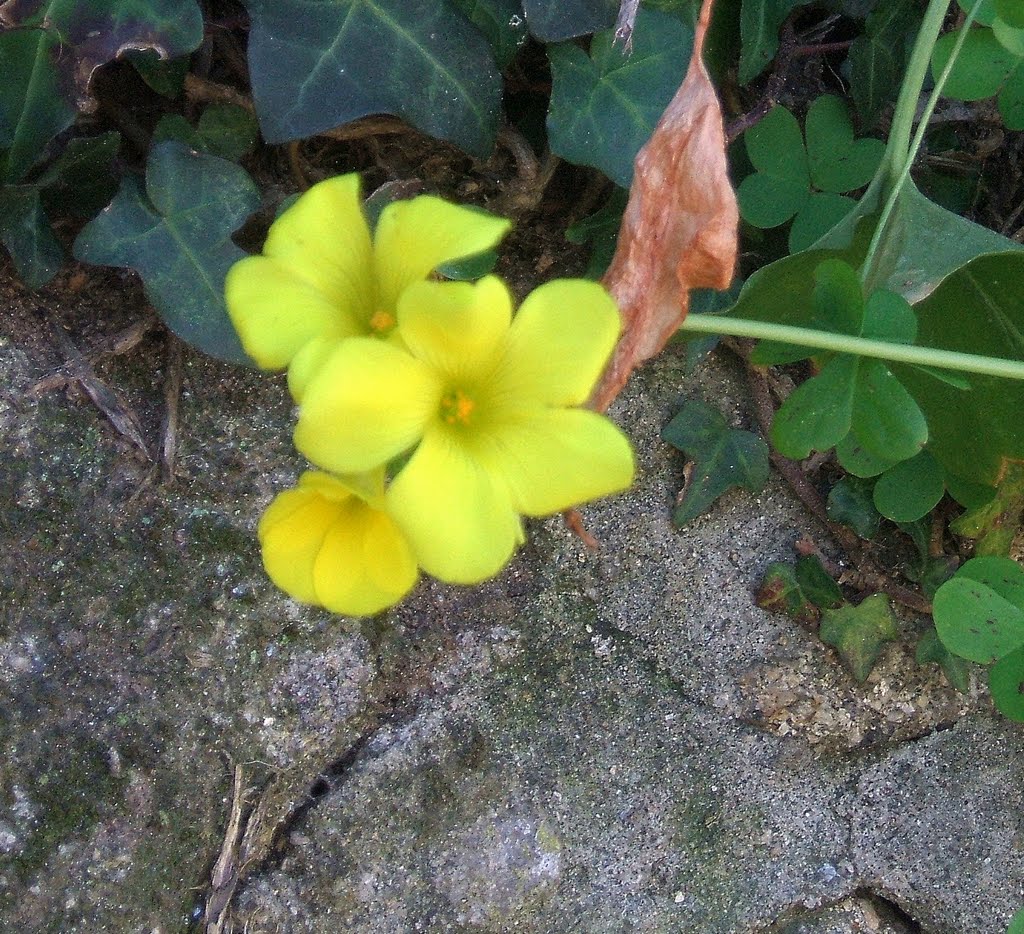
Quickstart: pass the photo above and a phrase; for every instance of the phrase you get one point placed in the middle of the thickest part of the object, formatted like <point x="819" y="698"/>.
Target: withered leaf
<point x="679" y="231"/>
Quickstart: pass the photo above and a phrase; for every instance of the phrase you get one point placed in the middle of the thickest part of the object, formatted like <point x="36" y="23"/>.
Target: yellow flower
<point x="329" y="542"/>
<point x="322" y="278"/>
<point x="486" y="404"/>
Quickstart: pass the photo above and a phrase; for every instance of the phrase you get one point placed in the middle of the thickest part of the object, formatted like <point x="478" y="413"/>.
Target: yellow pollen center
<point x="456" y="407"/>
<point x="382" y="321"/>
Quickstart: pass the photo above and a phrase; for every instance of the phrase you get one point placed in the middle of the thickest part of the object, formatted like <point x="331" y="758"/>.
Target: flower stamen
<point x="382" y="321"/>
<point x="456" y="407"/>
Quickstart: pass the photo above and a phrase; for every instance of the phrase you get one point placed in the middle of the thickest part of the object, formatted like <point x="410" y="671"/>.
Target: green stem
<point x="844" y="343"/>
<point x="909" y="152"/>
<point x="913" y="83"/>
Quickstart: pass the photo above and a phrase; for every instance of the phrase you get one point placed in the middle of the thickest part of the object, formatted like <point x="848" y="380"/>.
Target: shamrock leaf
<point x="720" y="458"/>
<point x="910" y="489"/>
<point x="805" y="182"/>
<point x="1006" y="682"/>
<point x="605" y="104"/>
<point x="858" y="633"/>
<point x="224" y="130"/>
<point x="177" y="235"/>
<point x="851" y="395"/>
<point x="979" y="612"/>
<point x="985" y="67"/>
<point x="317" y="65"/>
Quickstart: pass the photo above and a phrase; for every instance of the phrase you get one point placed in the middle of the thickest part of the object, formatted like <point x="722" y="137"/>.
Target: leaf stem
<point x="845" y="343"/>
<point x="903" y="151"/>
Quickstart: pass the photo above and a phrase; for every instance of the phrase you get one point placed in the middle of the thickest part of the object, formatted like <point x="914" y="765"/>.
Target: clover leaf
<point x="176" y="233"/>
<point x="805" y="182"/>
<point x="853" y="396"/>
<point x="985" y="67"/>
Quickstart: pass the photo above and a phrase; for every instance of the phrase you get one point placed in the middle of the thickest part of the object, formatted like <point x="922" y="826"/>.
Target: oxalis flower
<point x="484" y="407"/>
<point x="322" y="277"/>
<point x="330" y="542"/>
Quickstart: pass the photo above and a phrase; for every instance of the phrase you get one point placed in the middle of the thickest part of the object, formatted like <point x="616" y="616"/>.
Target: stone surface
<point x="596" y="742"/>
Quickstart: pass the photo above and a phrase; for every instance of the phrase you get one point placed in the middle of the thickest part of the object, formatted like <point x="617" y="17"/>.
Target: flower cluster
<point x="437" y="417"/>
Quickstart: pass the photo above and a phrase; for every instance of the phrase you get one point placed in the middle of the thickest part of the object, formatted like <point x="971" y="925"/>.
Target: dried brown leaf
<point x="679" y="231"/>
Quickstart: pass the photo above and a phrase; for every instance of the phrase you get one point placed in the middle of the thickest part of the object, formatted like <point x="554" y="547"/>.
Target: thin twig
<point x="776" y="85"/>
<point x="172" y="396"/>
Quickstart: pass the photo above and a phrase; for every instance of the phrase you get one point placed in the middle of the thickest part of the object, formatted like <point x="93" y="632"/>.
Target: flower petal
<point x="414" y="237"/>
<point x="307" y="362"/>
<point x="553" y="459"/>
<point x="324" y="239"/>
<point x="367" y="403"/>
<point x="457" y="517"/>
<point x="456" y="327"/>
<point x="292" y="531"/>
<point x="275" y="313"/>
<point x="559" y="342"/>
<point x="365" y="563"/>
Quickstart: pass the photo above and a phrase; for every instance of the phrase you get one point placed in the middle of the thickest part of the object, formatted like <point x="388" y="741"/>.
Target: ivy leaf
<point x="166" y="77"/>
<point x="817" y="583"/>
<point x="759" y="33"/>
<point x="502" y="22"/>
<point x="601" y="231"/>
<point x="81" y="180"/>
<point x="31" y="102"/>
<point x="858" y="633"/>
<point x="26" y="233"/>
<point x="876" y="57"/>
<point x="1006" y="682"/>
<point x="910" y="489"/>
<point x="850" y="503"/>
<point x="605" y="105"/>
<point x="931" y="650"/>
<point x="566" y="19"/>
<point x="721" y="457"/>
<point x="780" y="592"/>
<point x="316" y="65"/>
<point x="53" y="47"/>
<point x="177" y="235"/>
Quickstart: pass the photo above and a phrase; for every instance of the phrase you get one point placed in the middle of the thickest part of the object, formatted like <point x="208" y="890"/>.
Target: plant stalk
<point x="862" y="346"/>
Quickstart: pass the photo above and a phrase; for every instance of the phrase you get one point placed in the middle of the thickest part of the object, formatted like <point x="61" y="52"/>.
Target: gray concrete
<point x="609" y="742"/>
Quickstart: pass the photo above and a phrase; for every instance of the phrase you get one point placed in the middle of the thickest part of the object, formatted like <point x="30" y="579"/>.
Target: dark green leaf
<point x="32" y="103"/>
<point x="850" y="503"/>
<point x="601" y="231"/>
<point x="166" y="77"/>
<point x="885" y="418"/>
<point x="838" y="297"/>
<point x="974" y="622"/>
<point x="818" y="413"/>
<point x="502" y="22"/>
<point x="874" y="73"/>
<point x="555" y="20"/>
<point x="981" y="68"/>
<point x="931" y="650"/>
<point x="781" y="185"/>
<point x="604" y="105"/>
<point x="470" y="267"/>
<point x="82" y="179"/>
<point x="759" y="32"/>
<point x="979" y="309"/>
<point x="780" y="593"/>
<point x="817" y="584"/>
<point x="1002" y="575"/>
<point x="911" y="489"/>
<point x="889" y="317"/>
<point x="1006" y="682"/>
<point x="26" y="233"/>
<point x="227" y="130"/>
<point x="853" y="458"/>
<point x="722" y="458"/>
<point x="817" y="217"/>
<point x="858" y="633"/>
<point x="177" y="236"/>
<point x="316" y="65"/>
<point x="1011" y="12"/>
<point x="837" y="162"/>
